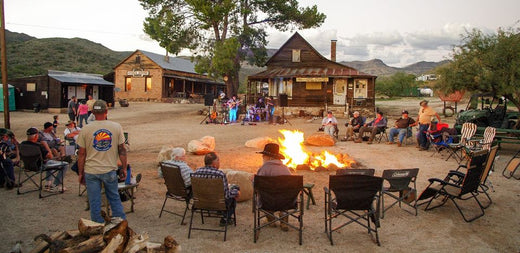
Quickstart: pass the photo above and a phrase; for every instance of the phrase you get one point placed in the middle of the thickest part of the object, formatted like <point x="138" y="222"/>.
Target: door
<point x="340" y="91"/>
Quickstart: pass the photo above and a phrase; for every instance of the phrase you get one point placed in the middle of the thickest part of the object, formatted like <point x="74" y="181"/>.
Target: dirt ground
<point x="153" y="125"/>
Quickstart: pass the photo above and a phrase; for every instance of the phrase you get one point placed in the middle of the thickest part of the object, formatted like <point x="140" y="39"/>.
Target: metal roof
<point x="307" y="72"/>
<point x="78" y="78"/>
<point x="174" y="63"/>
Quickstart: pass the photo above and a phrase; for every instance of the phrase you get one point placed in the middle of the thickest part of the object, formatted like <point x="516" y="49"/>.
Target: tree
<point x="222" y="33"/>
<point x="485" y="63"/>
<point x="396" y="84"/>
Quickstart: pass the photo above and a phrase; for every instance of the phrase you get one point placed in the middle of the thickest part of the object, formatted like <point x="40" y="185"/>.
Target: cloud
<point x="444" y="38"/>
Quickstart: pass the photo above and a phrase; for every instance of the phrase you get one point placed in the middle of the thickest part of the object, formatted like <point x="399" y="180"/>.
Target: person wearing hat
<point x="269" y="114"/>
<point x="424" y="119"/>
<point x="50" y="141"/>
<point x="71" y="131"/>
<point x="273" y="166"/>
<point x="330" y="124"/>
<point x="101" y="145"/>
<point x="402" y="127"/>
<point x="33" y="139"/>
<point x="7" y="153"/>
<point x="356" y="122"/>
<point x="376" y="125"/>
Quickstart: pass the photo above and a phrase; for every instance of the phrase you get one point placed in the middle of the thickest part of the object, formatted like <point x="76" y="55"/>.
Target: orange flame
<point x="291" y="146"/>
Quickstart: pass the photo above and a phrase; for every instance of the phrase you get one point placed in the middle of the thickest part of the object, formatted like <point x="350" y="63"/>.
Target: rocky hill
<point x="379" y="68"/>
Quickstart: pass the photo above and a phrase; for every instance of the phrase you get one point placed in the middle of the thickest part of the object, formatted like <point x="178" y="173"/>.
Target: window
<point x="128" y="83"/>
<point x="296" y="55"/>
<point x="284" y="86"/>
<point x="148" y="84"/>
<point x="31" y="86"/>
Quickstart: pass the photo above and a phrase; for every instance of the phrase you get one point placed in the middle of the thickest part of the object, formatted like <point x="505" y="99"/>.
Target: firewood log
<point x="136" y="243"/>
<point x="114" y="244"/>
<point x="153" y="247"/>
<point x="94" y="244"/>
<point x="44" y="245"/>
<point x="88" y="227"/>
<point x="120" y="229"/>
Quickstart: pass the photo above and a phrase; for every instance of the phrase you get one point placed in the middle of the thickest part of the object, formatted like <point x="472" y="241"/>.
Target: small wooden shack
<point x="311" y="82"/>
<point x="146" y="76"/>
<point x="53" y="91"/>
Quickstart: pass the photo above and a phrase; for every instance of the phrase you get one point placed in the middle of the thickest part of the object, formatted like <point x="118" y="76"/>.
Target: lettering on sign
<point x="312" y="79"/>
<point x="137" y="73"/>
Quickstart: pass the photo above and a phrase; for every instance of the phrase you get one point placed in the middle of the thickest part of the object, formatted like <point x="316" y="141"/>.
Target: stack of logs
<point x="113" y="236"/>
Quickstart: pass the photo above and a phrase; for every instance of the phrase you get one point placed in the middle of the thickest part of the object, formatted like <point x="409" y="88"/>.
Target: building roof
<point x="174" y="63"/>
<point x="78" y="78"/>
<point x="309" y="72"/>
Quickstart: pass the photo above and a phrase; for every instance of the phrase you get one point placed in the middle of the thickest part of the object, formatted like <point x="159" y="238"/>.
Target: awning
<point x="195" y="79"/>
<point x="309" y="72"/>
<point x="80" y="78"/>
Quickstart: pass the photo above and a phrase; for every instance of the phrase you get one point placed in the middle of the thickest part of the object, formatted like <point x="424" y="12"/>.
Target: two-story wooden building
<point x="311" y="82"/>
<point x="146" y="76"/>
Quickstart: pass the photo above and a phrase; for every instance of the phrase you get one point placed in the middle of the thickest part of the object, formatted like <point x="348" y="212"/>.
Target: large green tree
<point x="223" y="33"/>
<point x="485" y="63"/>
<point x="396" y="85"/>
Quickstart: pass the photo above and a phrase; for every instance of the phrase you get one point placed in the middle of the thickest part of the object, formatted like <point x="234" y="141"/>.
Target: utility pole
<point x="7" y="123"/>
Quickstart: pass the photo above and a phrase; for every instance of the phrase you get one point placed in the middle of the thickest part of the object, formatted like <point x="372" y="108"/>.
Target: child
<point x="55" y="123"/>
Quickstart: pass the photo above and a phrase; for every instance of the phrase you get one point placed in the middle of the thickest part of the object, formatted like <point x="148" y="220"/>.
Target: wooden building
<point x="53" y="91"/>
<point x="146" y="76"/>
<point x="311" y="82"/>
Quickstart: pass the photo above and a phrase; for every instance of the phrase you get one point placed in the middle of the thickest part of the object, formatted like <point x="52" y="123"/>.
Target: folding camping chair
<point x="210" y="201"/>
<point x="402" y="181"/>
<point x="455" y="149"/>
<point x="484" y="179"/>
<point x="356" y="197"/>
<point x="512" y="167"/>
<point x="439" y="138"/>
<point x="176" y="189"/>
<point x="278" y="193"/>
<point x="483" y="143"/>
<point x="452" y="189"/>
<point x="34" y="165"/>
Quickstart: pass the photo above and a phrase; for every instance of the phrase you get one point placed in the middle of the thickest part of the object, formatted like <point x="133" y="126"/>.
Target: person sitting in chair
<point x="178" y="159"/>
<point x="401" y="128"/>
<point x="211" y="170"/>
<point x="373" y="127"/>
<point x="273" y="166"/>
<point x="355" y="124"/>
<point x="7" y="177"/>
<point x="49" y="140"/>
<point x="330" y="124"/>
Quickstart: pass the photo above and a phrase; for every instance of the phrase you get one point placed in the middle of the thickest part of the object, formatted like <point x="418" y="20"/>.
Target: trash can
<point x="36" y="107"/>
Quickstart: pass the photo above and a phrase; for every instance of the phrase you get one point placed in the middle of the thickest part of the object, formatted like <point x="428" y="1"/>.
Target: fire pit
<point x="297" y="158"/>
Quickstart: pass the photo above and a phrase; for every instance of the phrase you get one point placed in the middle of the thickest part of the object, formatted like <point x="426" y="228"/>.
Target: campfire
<point x="296" y="157"/>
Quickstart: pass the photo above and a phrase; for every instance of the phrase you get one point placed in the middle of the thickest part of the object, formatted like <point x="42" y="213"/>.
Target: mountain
<point x="29" y="56"/>
<point x="379" y="68"/>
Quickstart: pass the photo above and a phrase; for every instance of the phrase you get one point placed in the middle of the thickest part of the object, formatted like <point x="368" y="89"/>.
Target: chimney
<point x="166" y="57"/>
<point x="333" y="50"/>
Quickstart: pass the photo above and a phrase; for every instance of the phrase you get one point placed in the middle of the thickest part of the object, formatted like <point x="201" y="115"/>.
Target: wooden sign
<point x="312" y="79"/>
<point x="137" y="73"/>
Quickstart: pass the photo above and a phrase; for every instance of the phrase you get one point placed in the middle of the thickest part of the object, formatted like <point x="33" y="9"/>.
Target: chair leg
<point x="162" y="208"/>
<point x="191" y="222"/>
<point x="462" y="213"/>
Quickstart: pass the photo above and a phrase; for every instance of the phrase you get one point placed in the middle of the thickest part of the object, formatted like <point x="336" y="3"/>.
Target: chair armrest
<point x="456" y="173"/>
<point x="326" y="190"/>
<point x="433" y="180"/>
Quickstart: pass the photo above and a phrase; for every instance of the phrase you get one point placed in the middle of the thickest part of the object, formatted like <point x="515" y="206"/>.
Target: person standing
<point x="71" y="108"/>
<point x="424" y="120"/>
<point x="90" y="103"/>
<point x="273" y="166"/>
<point x="211" y="170"/>
<point x="233" y="108"/>
<point x="83" y="113"/>
<point x="101" y="144"/>
<point x="401" y="128"/>
<point x="270" y="109"/>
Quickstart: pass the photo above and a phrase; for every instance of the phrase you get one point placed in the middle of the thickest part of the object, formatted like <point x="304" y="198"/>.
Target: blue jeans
<point x="109" y="180"/>
<point x="81" y="118"/>
<point x="401" y="132"/>
<point x="423" y="141"/>
<point x="59" y="176"/>
<point x="233" y="115"/>
<point x="7" y="172"/>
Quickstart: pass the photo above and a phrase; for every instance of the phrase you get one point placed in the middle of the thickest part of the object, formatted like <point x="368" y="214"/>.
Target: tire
<point x="448" y="111"/>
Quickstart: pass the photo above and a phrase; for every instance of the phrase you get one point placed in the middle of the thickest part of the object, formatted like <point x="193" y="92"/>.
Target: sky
<point x="399" y="32"/>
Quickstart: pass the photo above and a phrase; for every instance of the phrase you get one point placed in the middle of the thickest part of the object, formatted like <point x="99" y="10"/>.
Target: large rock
<point x="203" y="146"/>
<point x="259" y="142"/>
<point x="320" y="139"/>
<point x="242" y="179"/>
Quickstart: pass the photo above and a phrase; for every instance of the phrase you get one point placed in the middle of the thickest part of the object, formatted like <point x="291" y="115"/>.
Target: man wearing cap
<point x="273" y="166"/>
<point x="401" y="128"/>
<point x="355" y="124"/>
<point x="330" y="124"/>
<point x="49" y="140"/>
<point x="424" y="119"/>
<point x="373" y="127"/>
<point x="71" y="130"/>
<point x="90" y="104"/>
<point x="101" y="145"/>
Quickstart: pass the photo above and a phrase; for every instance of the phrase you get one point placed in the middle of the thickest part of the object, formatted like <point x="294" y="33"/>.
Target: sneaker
<point x="222" y="222"/>
<point x="49" y="188"/>
<point x="390" y="143"/>
<point x="58" y="187"/>
<point x="399" y="144"/>
<point x="344" y="139"/>
<point x="358" y="141"/>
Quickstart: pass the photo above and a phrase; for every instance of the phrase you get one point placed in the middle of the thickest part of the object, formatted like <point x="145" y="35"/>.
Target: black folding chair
<point x="458" y="189"/>
<point x="176" y="188"/>
<point x="33" y="165"/>
<point x="210" y="201"/>
<point x="402" y="188"/>
<point x="366" y="172"/>
<point x="353" y="198"/>
<point x="278" y="193"/>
